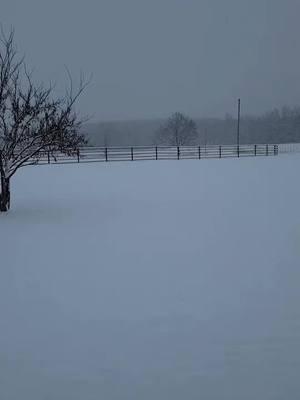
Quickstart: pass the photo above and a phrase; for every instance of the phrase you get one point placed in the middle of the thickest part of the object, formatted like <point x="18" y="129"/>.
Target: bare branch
<point x="32" y="120"/>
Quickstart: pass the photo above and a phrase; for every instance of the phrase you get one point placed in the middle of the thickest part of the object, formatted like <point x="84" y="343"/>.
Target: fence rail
<point x="107" y="154"/>
<point x="289" y="148"/>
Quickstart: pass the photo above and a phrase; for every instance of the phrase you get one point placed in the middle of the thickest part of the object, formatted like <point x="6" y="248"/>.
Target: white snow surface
<point x="152" y="280"/>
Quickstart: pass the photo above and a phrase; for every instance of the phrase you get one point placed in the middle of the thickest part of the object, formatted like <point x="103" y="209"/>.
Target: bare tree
<point x="179" y="130"/>
<point x="32" y="121"/>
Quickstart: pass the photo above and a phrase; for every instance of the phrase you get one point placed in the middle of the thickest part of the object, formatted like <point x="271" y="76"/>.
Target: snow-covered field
<point x="152" y="280"/>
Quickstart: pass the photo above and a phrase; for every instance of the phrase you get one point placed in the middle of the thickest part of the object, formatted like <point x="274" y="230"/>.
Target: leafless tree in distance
<point x="32" y="119"/>
<point x="179" y="130"/>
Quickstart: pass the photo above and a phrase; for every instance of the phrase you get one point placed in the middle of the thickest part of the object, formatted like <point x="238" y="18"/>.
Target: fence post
<point x="178" y="153"/>
<point x="106" y="159"/>
<point x="48" y="154"/>
<point x="267" y="150"/>
<point x="78" y="155"/>
<point x="131" y="153"/>
<point x="156" y="154"/>
<point x="238" y="150"/>
<point x="220" y="152"/>
<point x="255" y="149"/>
<point x="199" y="152"/>
<point x="274" y="149"/>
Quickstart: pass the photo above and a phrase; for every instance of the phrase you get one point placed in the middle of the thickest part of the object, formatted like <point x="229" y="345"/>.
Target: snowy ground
<point x="152" y="280"/>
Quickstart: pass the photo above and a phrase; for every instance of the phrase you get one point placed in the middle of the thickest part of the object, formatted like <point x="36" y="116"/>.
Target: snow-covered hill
<point x="152" y="280"/>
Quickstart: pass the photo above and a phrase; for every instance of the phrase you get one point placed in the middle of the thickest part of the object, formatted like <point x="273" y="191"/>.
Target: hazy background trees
<point x="178" y="130"/>
<point x="275" y="126"/>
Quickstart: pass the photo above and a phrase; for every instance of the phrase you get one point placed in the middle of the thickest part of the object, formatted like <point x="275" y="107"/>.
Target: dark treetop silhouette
<point x="32" y="120"/>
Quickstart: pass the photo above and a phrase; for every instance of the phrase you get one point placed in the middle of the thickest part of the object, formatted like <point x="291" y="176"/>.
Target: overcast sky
<point x="152" y="57"/>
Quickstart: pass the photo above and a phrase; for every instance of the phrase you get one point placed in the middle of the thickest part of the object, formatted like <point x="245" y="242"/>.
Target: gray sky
<point x="152" y="57"/>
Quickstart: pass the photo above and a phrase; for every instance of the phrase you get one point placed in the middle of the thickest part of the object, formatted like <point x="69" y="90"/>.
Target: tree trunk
<point x="5" y="194"/>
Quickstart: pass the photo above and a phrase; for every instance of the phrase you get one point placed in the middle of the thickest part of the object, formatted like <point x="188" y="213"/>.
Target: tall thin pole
<point x="238" y="124"/>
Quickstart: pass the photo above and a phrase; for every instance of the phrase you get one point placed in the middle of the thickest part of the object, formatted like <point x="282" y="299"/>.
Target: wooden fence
<point x="107" y="154"/>
<point x="289" y="148"/>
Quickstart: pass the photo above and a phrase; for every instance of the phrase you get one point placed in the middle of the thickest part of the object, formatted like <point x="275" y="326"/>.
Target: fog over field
<point x="276" y="126"/>
<point x="152" y="58"/>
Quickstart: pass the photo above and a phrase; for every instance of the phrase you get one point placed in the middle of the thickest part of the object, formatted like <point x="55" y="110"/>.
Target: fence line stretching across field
<point x="107" y="154"/>
<point x="289" y="148"/>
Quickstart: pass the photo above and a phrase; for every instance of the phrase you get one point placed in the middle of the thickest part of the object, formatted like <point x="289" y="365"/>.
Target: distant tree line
<point x="276" y="126"/>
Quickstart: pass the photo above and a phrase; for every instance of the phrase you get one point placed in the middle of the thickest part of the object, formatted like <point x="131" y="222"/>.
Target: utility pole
<point x="238" y="127"/>
<point x="238" y="124"/>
